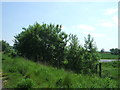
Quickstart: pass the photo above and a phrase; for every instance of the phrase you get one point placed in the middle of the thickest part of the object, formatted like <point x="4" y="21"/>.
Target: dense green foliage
<point x="108" y="56"/>
<point x="44" y="43"/>
<point x="47" y="43"/>
<point x="19" y="72"/>
<point x="75" y="54"/>
<point x="4" y="46"/>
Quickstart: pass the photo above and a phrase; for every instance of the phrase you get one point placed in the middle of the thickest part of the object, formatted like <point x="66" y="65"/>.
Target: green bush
<point x="25" y="83"/>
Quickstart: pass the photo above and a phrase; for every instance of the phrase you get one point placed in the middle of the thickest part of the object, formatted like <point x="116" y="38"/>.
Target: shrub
<point x="25" y="83"/>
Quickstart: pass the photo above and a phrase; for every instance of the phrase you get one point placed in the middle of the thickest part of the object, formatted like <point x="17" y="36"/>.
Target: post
<point x="100" y="69"/>
<point x="96" y="68"/>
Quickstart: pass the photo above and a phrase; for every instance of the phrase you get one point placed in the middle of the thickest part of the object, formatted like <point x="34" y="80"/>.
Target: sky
<point x="100" y="19"/>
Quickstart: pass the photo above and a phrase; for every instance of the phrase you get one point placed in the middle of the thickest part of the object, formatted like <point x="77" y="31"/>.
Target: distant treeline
<point x="47" y="43"/>
<point x="114" y="51"/>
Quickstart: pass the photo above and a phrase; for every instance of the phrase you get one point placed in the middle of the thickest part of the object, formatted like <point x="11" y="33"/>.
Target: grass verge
<point x="19" y="72"/>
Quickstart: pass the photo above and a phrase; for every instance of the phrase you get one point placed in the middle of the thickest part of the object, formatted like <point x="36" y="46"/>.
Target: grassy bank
<point x="108" y="56"/>
<point x="19" y="72"/>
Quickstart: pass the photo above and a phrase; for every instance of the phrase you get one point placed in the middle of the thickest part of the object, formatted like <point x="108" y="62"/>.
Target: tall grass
<point x="18" y="69"/>
<point x="111" y="69"/>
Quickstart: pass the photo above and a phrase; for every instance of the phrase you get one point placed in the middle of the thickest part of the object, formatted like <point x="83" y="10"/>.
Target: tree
<point x="5" y="47"/>
<point x="43" y="43"/>
<point x="115" y="51"/>
<point x="48" y="43"/>
<point x="102" y="50"/>
<point x="82" y="60"/>
<point x="91" y="56"/>
<point x="112" y="51"/>
<point x="74" y="56"/>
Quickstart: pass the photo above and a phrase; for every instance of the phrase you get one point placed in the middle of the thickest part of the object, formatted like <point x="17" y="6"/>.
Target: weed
<point x="13" y="69"/>
<point x="25" y="83"/>
<point x="67" y="82"/>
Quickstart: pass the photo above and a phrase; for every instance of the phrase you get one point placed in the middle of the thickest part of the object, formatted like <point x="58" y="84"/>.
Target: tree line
<point x="47" y="43"/>
<point x="115" y="51"/>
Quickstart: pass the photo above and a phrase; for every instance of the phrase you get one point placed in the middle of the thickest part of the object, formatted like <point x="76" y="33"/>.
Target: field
<point x="108" y="56"/>
<point x="19" y="72"/>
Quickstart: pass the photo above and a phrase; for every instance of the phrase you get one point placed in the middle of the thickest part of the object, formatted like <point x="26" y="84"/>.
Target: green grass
<point x="17" y="70"/>
<point x="110" y="69"/>
<point x="108" y="56"/>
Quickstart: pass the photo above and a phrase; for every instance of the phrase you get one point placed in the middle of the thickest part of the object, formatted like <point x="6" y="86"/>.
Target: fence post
<point x="100" y="69"/>
<point x="96" y="68"/>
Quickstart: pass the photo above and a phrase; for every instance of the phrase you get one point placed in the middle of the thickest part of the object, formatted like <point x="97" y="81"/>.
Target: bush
<point x="25" y="83"/>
